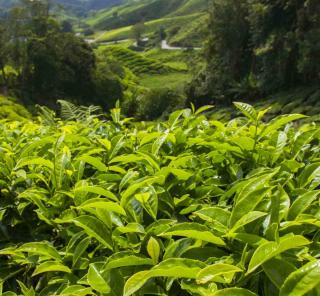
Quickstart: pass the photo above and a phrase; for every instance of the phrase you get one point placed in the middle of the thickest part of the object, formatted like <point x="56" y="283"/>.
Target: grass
<point x="178" y="66"/>
<point x="191" y="33"/>
<point x="131" y="12"/>
<point x="116" y="34"/>
<point x="168" y="55"/>
<point x="156" y="68"/>
<point x="191" y="6"/>
<point x="151" y="26"/>
<point x="136" y="62"/>
<point x="98" y="17"/>
<point x="171" y="80"/>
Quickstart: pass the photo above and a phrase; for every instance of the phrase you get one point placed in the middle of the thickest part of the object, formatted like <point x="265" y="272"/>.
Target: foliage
<point x="137" y="31"/>
<point x="133" y="12"/>
<point x="50" y="62"/>
<point x="136" y="62"/>
<point x="167" y="23"/>
<point x="269" y="43"/>
<point x="189" y="206"/>
<point x="150" y="84"/>
<point x="63" y="66"/>
<point x="11" y="110"/>
<point x="157" y="102"/>
<point x="176" y="81"/>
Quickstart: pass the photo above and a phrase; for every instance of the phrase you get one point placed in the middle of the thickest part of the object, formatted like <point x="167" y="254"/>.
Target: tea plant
<point x="190" y="206"/>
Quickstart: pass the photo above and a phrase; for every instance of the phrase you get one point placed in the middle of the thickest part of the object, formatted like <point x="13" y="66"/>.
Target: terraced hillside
<point x="146" y="10"/>
<point x="136" y="62"/>
<point x="184" y="21"/>
<point x="186" y="29"/>
<point x="73" y="7"/>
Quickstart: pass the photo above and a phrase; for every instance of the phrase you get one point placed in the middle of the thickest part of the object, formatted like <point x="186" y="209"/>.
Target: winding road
<point x="164" y="44"/>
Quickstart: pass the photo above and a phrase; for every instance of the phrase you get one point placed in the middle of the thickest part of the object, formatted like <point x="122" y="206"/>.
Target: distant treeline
<point x="41" y="60"/>
<point x="258" y="47"/>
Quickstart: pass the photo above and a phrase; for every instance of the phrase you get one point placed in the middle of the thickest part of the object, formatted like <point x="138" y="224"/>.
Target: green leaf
<point x="247" y="204"/>
<point x="180" y="174"/>
<point x="302" y="281"/>
<point x="302" y="140"/>
<point x="212" y="214"/>
<point x="51" y="266"/>
<point x="278" y="122"/>
<point x="251" y="192"/>
<point x="277" y="270"/>
<point x="302" y="203"/>
<point x="310" y="174"/>
<point x="195" y="231"/>
<point x="234" y="292"/>
<point x="124" y="159"/>
<point x="80" y="249"/>
<point x="96" y="280"/>
<point x="176" y="268"/>
<point x="25" y="290"/>
<point x="148" y="137"/>
<point x="174" y="118"/>
<point x="269" y="250"/>
<point x="149" y="201"/>
<point x="97" y="190"/>
<point x="40" y="248"/>
<point x="76" y="290"/>
<point x="99" y="203"/>
<point x="212" y="272"/>
<point x="129" y="192"/>
<point x="203" y="109"/>
<point x="130" y="228"/>
<point x="150" y="159"/>
<point x="246" y="219"/>
<point x="247" y="110"/>
<point x="159" y="142"/>
<point x="130" y="175"/>
<point x="153" y="249"/>
<point x="95" y="228"/>
<point x="126" y="258"/>
<point x="95" y="162"/>
<point x="247" y="238"/>
<point x="34" y="161"/>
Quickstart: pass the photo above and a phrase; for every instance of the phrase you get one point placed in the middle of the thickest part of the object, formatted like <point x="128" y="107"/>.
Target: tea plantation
<point x="101" y="205"/>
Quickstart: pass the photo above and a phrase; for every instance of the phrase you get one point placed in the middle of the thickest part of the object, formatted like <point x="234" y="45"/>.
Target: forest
<point x="156" y="147"/>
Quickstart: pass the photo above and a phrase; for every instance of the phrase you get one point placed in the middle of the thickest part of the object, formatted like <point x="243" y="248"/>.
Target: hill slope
<point x="144" y="10"/>
<point x="76" y="7"/>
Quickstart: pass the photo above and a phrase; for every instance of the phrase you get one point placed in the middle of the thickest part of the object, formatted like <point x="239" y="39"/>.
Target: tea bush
<point x="190" y="206"/>
<point x="11" y="110"/>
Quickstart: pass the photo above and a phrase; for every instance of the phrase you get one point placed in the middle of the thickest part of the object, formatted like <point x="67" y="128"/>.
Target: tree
<point x="50" y="62"/>
<point x="258" y="47"/>
<point x="138" y="30"/>
<point x="162" y="33"/>
<point x="62" y="67"/>
<point x="4" y="55"/>
<point x="66" y="27"/>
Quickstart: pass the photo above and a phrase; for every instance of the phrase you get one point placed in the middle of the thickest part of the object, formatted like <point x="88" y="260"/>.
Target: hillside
<point x="74" y="7"/>
<point x="183" y="21"/>
<point x="81" y="7"/>
<point x="144" y="10"/>
<point x="187" y="30"/>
